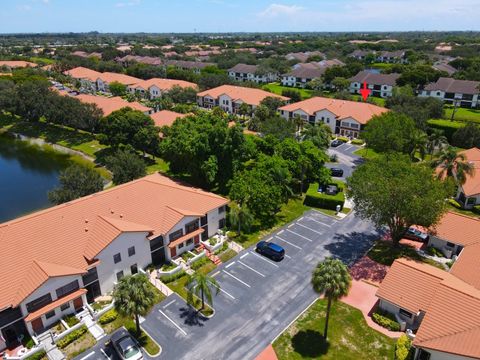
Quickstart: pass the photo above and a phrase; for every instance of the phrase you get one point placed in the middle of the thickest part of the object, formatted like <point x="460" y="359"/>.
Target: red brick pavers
<point x="368" y="270"/>
<point x="267" y="354"/>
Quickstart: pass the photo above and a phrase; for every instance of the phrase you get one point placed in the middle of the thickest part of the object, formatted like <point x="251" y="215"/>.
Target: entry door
<point x="93" y="291"/>
<point x="78" y="303"/>
<point x="158" y="256"/>
<point x="37" y="325"/>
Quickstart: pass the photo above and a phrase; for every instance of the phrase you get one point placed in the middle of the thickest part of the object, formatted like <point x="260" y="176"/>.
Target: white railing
<point x="220" y="239"/>
<point x="30" y="352"/>
<point x="176" y="269"/>
<point x="99" y="313"/>
<point x="196" y="257"/>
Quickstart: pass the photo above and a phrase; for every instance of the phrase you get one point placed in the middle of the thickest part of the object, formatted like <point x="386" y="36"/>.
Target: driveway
<point x="259" y="297"/>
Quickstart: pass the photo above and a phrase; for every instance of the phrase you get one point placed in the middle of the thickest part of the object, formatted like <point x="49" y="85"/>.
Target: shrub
<point x="454" y="203"/>
<point x="343" y="138"/>
<point x="168" y="266"/>
<point x="169" y="278"/>
<point x="324" y="201"/>
<point x="74" y="335"/>
<point x="222" y="249"/>
<point x="333" y="158"/>
<point x="358" y="142"/>
<point x="199" y="263"/>
<point x="403" y="348"/>
<point x="28" y="342"/>
<point x="213" y="241"/>
<point x="108" y="317"/>
<point x="71" y="320"/>
<point x="476" y="209"/>
<point x="432" y="251"/>
<point x="450" y="263"/>
<point x="37" y="356"/>
<point x="386" y="320"/>
<point x="448" y="127"/>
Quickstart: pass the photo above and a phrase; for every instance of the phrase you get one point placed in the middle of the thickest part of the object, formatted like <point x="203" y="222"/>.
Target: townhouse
<point x="304" y="56"/>
<point x="156" y="87"/>
<point x="84" y="54"/>
<point x="57" y="260"/>
<point x="442" y="66"/>
<point x="244" y="72"/>
<point x="229" y="98"/>
<point x="302" y="74"/>
<point x="195" y="66"/>
<point x="468" y="193"/>
<point x="346" y="118"/>
<point x="111" y="104"/>
<point x="147" y="60"/>
<point x="381" y="84"/>
<point x="390" y="57"/>
<point x="464" y="93"/>
<point x="440" y="308"/>
<point x="106" y="78"/>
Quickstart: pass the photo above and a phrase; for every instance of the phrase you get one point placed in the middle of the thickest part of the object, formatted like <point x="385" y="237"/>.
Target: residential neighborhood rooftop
<point x="250" y="96"/>
<point x="166" y="117"/>
<point x="111" y="104"/>
<point x="163" y="84"/>
<point x="454" y="86"/>
<point x="375" y="78"/>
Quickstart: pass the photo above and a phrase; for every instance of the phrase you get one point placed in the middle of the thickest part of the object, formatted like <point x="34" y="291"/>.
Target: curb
<point x="159" y="346"/>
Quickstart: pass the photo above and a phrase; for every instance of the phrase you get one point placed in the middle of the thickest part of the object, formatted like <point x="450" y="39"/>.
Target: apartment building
<point x="111" y="104"/>
<point x="92" y="81"/>
<point x="195" y="66"/>
<point x="464" y="93"/>
<point x="302" y="74"/>
<point x="106" y="78"/>
<point x="156" y="87"/>
<point x="244" y="72"/>
<point x="381" y="85"/>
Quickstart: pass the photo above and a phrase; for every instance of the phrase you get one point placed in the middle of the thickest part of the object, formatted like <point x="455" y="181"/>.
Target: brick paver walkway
<point x="267" y="354"/>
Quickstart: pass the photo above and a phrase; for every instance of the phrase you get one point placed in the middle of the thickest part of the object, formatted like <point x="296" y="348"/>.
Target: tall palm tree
<point x="331" y="278"/>
<point x="418" y="142"/>
<point x="200" y="285"/>
<point x="435" y="141"/>
<point x="240" y="216"/>
<point x="134" y="296"/>
<point x="299" y="122"/>
<point x="451" y="164"/>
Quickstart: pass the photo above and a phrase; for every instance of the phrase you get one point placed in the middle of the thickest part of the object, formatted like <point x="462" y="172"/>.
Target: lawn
<point x="367" y="153"/>
<point x="463" y="114"/>
<point x="349" y="336"/>
<point x="289" y="212"/>
<point x="276" y="88"/>
<point x="85" y="342"/>
<point x="376" y="100"/>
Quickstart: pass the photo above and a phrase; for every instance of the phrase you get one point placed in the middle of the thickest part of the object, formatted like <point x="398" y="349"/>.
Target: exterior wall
<point x="467" y="202"/>
<point x="265" y="78"/>
<point x="384" y="90"/>
<point x="155" y="92"/>
<point x="214" y="218"/>
<point x="225" y="102"/>
<point x="441" y="245"/>
<point x="463" y="98"/>
<point x="178" y="226"/>
<point x="101" y="85"/>
<point x="395" y="310"/>
<point x="438" y="355"/>
<point x="50" y="286"/>
<point x="326" y="117"/>
<point x="289" y="81"/>
<point x="107" y="269"/>
<point x="350" y="127"/>
<point x="206" y="102"/>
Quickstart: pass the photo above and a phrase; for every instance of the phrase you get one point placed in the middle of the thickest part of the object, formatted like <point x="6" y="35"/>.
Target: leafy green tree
<point x="453" y="165"/>
<point x="418" y="142"/>
<point x="125" y="165"/>
<point x="272" y="103"/>
<point x="294" y="95"/>
<point x="419" y="75"/>
<point x="240" y="217"/>
<point x="340" y="83"/>
<point x="320" y="135"/>
<point x="117" y="89"/>
<point x="278" y="127"/>
<point x="244" y="110"/>
<point x="76" y="181"/>
<point x="31" y="99"/>
<point x="436" y="140"/>
<point x="134" y="296"/>
<point x="467" y="136"/>
<point x="332" y="279"/>
<point x="179" y="95"/>
<point x="395" y="193"/>
<point x="200" y="285"/>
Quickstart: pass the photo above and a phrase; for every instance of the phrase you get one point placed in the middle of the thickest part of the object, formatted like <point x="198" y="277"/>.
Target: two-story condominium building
<point x="346" y="118"/>
<point x="229" y="98"/>
<point x="195" y="66"/>
<point x="244" y="72"/>
<point x="147" y="60"/>
<point x="56" y="260"/>
<point x="391" y="57"/>
<point x="111" y="104"/>
<point x="154" y="88"/>
<point x="86" y="77"/>
<point x="381" y="84"/>
<point x="442" y="307"/>
<point x="465" y="93"/>
<point x="302" y="74"/>
<point x="304" y="56"/>
<point x="107" y="78"/>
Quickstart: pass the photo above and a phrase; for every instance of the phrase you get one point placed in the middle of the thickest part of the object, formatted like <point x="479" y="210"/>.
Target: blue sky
<point x="237" y="15"/>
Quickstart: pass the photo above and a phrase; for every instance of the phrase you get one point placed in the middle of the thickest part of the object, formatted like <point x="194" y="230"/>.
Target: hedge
<point x="447" y="126"/>
<point x="71" y="320"/>
<point x="199" y="263"/>
<point x="358" y="142"/>
<point x="403" y="348"/>
<point x="324" y="201"/>
<point x="476" y="209"/>
<point x="169" y="278"/>
<point x="37" y="356"/>
<point x="74" y="335"/>
<point x="454" y="203"/>
<point x="386" y="320"/>
<point x="343" y="138"/>
<point x="108" y="317"/>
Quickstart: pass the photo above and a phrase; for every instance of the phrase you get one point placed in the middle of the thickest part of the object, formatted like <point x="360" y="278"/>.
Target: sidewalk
<point x="267" y="354"/>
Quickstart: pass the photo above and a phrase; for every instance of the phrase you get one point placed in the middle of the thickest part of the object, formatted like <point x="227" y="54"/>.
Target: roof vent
<point x="86" y="229"/>
<point x="111" y="211"/>
<point x="121" y="216"/>
<point x="86" y="221"/>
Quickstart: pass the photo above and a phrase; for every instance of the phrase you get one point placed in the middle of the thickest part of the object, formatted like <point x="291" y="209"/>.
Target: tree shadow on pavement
<point x="192" y="317"/>
<point x="310" y="344"/>
<point x="352" y="246"/>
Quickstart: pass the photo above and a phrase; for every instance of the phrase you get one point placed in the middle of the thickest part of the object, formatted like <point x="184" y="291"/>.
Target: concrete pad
<point x="267" y="354"/>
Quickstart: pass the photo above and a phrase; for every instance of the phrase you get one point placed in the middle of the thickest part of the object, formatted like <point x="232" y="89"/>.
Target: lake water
<point x="27" y="174"/>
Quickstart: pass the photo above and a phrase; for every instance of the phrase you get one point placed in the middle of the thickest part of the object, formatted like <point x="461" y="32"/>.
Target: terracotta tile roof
<point x="54" y="304"/>
<point x="185" y="238"/>
<point x="163" y="84"/>
<point x="110" y="77"/>
<point x="64" y="239"/>
<point x="166" y="117"/>
<point x="17" y="64"/>
<point x="83" y="73"/>
<point x="457" y="228"/>
<point x="471" y="186"/>
<point x="360" y="111"/>
<point x="111" y="104"/>
<point x="410" y="284"/>
<point x="250" y="96"/>
<point x="375" y="79"/>
<point x="454" y="86"/>
<point x="467" y="266"/>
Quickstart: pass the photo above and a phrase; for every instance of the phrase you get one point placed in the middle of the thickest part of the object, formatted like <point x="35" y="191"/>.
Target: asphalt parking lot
<point x="347" y="160"/>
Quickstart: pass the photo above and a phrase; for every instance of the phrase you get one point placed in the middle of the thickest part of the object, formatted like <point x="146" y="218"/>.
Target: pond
<point x="27" y="174"/>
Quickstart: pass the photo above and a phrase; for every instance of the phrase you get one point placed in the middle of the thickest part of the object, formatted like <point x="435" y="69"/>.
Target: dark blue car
<point x="270" y="250"/>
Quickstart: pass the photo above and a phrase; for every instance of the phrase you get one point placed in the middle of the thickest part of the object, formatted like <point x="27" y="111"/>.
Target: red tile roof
<point x="471" y="187"/>
<point x="17" y="64"/>
<point x="166" y="117"/>
<point x="250" y="96"/>
<point x="111" y="104"/>
<point x="163" y="84"/>
<point x="83" y="73"/>
<point x="110" y="77"/>
<point x="457" y="228"/>
<point x="54" y="304"/>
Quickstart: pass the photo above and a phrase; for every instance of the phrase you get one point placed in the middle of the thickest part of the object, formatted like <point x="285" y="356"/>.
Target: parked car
<point x="415" y="234"/>
<point x="336" y="143"/>
<point x="125" y="345"/>
<point x="270" y="250"/>
<point x="337" y="172"/>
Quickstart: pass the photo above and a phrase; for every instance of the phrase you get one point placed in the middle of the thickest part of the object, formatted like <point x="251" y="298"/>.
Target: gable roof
<point x="467" y="266"/>
<point x="110" y="77"/>
<point x="375" y="78"/>
<point x="244" y="68"/>
<point x="83" y="73"/>
<point x="471" y="186"/>
<point x="64" y="239"/>
<point x="458" y="228"/>
<point x="454" y="86"/>
<point x="166" y="117"/>
<point x="111" y="104"/>
<point x="17" y="64"/>
<point x="360" y="111"/>
<point x="250" y="96"/>
<point x="163" y="84"/>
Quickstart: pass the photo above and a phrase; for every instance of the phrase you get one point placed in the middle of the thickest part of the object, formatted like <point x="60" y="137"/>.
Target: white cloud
<point x="128" y="3"/>
<point x="24" y="7"/>
<point x="275" y="10"/>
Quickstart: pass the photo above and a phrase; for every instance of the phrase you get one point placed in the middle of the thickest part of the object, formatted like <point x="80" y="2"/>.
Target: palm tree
<point x="299" y="122"/>
<point x="240" y="216"/>
<point x="418" y="142"/>
<point x="134" y="296"/>
<point x="200" y="285"/>
<point x="320" y="134"/>
<point x="243" y="110"/>
<point x="435" y="140"/>
<point x="451" y="164"/>
<point x="332" y="279"/>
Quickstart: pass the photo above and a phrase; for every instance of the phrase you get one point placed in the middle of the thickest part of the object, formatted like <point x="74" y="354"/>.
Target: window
<point x="405" y="313"/>
<point x="67" y="289"/>
<point x="134" y="269"/>
<point x="189" y="242"/>
<point x="50" y="314"/>
<point x="117" y="258"/>
<point x="119" y="275"/>
<point x="65" y="306"/>
<point x="39" y="302"/>
<point x="131" y="251"/>
<point x="90" y="277"/>
<point x="191" y="226"/>
<point x="205" y="233"/>
<point x="176" y="234"/>
<point x="181" y="245"/>
<point x="449" y="244"/>
<point x="222" y="209"/>
<point x="156" y="243"/>
<point x="203" y="220"/>
<point x="221" y="223"/>
<point x="424" y="355"/>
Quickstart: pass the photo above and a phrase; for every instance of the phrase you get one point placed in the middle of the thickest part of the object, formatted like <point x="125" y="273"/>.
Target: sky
<point x="27" y="16"/>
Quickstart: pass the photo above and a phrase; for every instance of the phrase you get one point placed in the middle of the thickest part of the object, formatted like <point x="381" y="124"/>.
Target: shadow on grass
<point x="310" y="343"/>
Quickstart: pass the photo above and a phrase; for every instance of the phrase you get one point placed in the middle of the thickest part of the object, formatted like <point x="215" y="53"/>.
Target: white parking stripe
<point x="310" y="218"/>
<point x="288" y="257"/>
<point x="281" y="231"/>
<point x="348" y="148"/>
<point x="225" y="292"/>
<point x="87" y="356"/>
<point x="248" y="267"/>
<point x="226" y="267"/>
<point x="215" y="274"/>
<point x="233" y="276"/>
<point x="269" y="239"/>
<point x="174" y="323"/>
<point x="289" y="226"/>
<point x="304" y="237"/>
<point x="309" y="228"/>
<point x="241" y="257"/>
<point x="289" y="243"/>
<point x="170" y="303"/>
<point x="268" y="261"/>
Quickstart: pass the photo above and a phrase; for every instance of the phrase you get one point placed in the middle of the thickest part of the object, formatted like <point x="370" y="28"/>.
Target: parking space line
<point x="287" y="256"/>
<point x="289" y="243"/>
<point x="289" y="226"/>
<point x="304" y="237"/>
<point x="215" y="274"/>
<point x="233" y="276"/>
<point x="248" y="267"/>
<point x="317" y="221"/>
<point x="174" y="323"/>
<point x="270" y="238"/>
<point x="104" y="354"/>
<point x="300" y="219"/>
<point x="225" y="292"/>
<point x="233" y="262"/>
<point x="170" y="303"/>
<point x="241" y="257"/>
<point x="268" y="261"/>
<point x="87" y="356"/>
<point x="348" y="148"/>
<point x="281" y="231"/>
<point x="309" y="228"/>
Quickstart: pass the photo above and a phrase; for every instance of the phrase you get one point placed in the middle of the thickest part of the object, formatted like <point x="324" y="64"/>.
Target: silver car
<point x="126" y="346"/>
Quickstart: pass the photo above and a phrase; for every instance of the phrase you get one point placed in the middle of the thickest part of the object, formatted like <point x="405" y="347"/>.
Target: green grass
<point x="333" y="212"/>
<point x="381" y="66"/>
<point x="462" y="211"/>
<point x="367" y="153"/>
<point x="383" y="252"/>
<point x="227" y="255"/>
<point x="463" y="114"/>
<point x="44" y="60"/>
<point x="376" y="100"/>
<point x="179" y="286"/>
<point x="349" y="336"/>
<point x="289" y="212"/>
<point x="276" y="88"/>
<point x="85" y="342"/>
